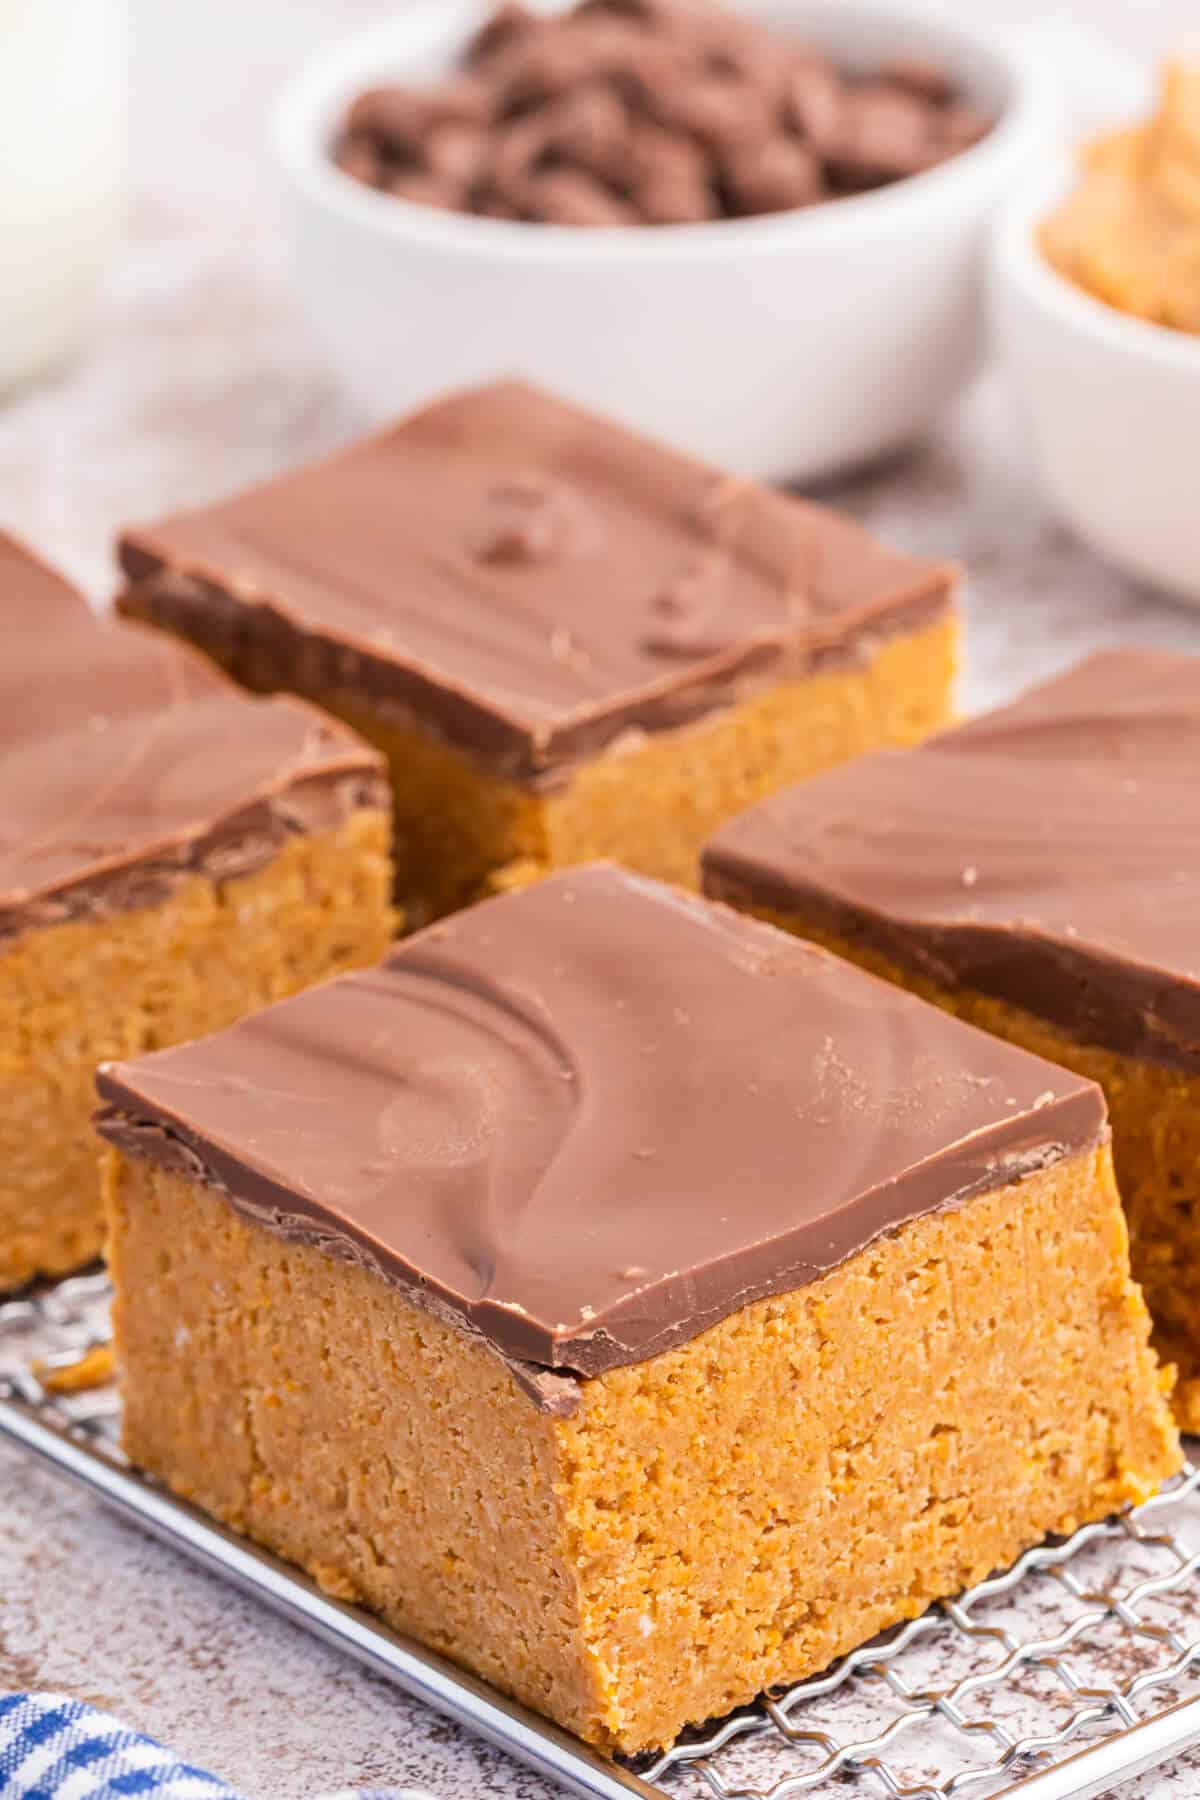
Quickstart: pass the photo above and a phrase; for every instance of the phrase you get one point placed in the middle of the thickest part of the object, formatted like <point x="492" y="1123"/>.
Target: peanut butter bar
<point x="568" y="641"/>
<point x="633" y="1303"/>
<point x="172" y="853"/>
<point x="1035" y="872"/>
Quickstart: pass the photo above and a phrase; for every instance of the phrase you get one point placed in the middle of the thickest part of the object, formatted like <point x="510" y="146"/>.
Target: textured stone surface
<point x="201" y="376"/>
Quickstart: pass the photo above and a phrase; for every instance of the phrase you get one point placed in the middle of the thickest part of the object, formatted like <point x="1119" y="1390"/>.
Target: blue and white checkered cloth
<point x="55" y="1748"/>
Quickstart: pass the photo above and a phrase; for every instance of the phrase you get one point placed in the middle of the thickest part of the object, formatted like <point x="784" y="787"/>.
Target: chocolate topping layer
<point x="525" y="580"/>
<point x="62" y="666"/>
<point x="590" y="1119"/>
<point x="1043" y="854"/>
<point x="126" y="764"/>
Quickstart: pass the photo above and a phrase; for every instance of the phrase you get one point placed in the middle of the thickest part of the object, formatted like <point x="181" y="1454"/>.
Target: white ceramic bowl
<point x="1113" y="404"/>
<point x="787" y="347"/>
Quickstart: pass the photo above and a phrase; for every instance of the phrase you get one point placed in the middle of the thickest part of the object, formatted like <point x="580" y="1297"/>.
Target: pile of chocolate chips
<point x="649" y="112"/>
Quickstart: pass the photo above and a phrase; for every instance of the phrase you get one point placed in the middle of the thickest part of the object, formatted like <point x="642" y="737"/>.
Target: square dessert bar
<point x="1036" y="872"/>
<point x="633" y="1303"/>
<point x="568" y="641"/>
<point x="172" y="853"/>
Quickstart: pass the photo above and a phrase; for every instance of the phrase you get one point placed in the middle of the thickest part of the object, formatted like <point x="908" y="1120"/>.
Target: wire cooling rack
<point x="1074" y="1670"/>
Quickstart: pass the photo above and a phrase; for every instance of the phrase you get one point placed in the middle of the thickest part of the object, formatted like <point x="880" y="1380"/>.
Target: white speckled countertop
<point x="201" y="376"/>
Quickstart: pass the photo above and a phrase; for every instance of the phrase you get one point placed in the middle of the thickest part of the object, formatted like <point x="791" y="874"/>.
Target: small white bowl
<point x="787" y="346"/>
<point x="1113" y="405"/>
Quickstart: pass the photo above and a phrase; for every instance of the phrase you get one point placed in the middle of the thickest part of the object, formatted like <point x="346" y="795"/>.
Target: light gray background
<point x="201" y="376"/>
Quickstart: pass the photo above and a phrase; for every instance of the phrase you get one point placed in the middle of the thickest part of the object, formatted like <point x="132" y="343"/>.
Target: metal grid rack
<point x="1074" y="1670"/>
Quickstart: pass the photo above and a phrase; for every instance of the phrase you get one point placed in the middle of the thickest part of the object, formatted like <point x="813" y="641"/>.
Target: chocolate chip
<point x="538" y="68"/>
<point x="637" y="62"/>
<point x="524" y="487"/>
<point x="646" y="70"/>
<point x="509" y="22"/>
<point x="775" y="176"/>
<point x="667" y="197"/>
<point x="573" y="197"/>
<point x="724" y="115"/>
<point x="518" y="149"/>
<point x="400" y="119"/>
<point x="397" y="118"/>
<point x="358" y="156"/>
<point x="921" y="77"/>
<point x="646" y="12"/>
<point x="491" y="205"/>
<point x="739" y="48"/>
<point x="814" y="104"/>
<point x="958" y="126"/>
<point x="673" y="157"/>
<point x="467" y="99"/>
<point x="591" y="129"/>
<point x="690" y="21"/>
<point x="884" y="135"/>
<point x="425" y="189"/>
<point x="673" y="178"/>
<point x="458" y="152"/>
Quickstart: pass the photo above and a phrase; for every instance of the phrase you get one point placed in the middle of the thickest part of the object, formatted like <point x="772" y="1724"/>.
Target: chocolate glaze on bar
<point x="524" y="580"/>
<point x="1044" y="855"/>
<point x="590" y="1119"/>
<point x="63" y="666"/>
<point x="126" y="765"/>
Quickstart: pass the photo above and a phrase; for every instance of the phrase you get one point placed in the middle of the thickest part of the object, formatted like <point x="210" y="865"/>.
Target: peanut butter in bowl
<point x="1129" y="232"/>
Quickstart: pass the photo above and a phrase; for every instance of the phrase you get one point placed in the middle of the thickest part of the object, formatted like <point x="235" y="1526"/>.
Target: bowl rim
<point x="303" y="106"/>
<point x="1018" y="262"/>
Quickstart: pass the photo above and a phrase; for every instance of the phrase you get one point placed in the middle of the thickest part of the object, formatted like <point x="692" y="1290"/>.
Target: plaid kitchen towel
<point x="55" y="1748"/>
